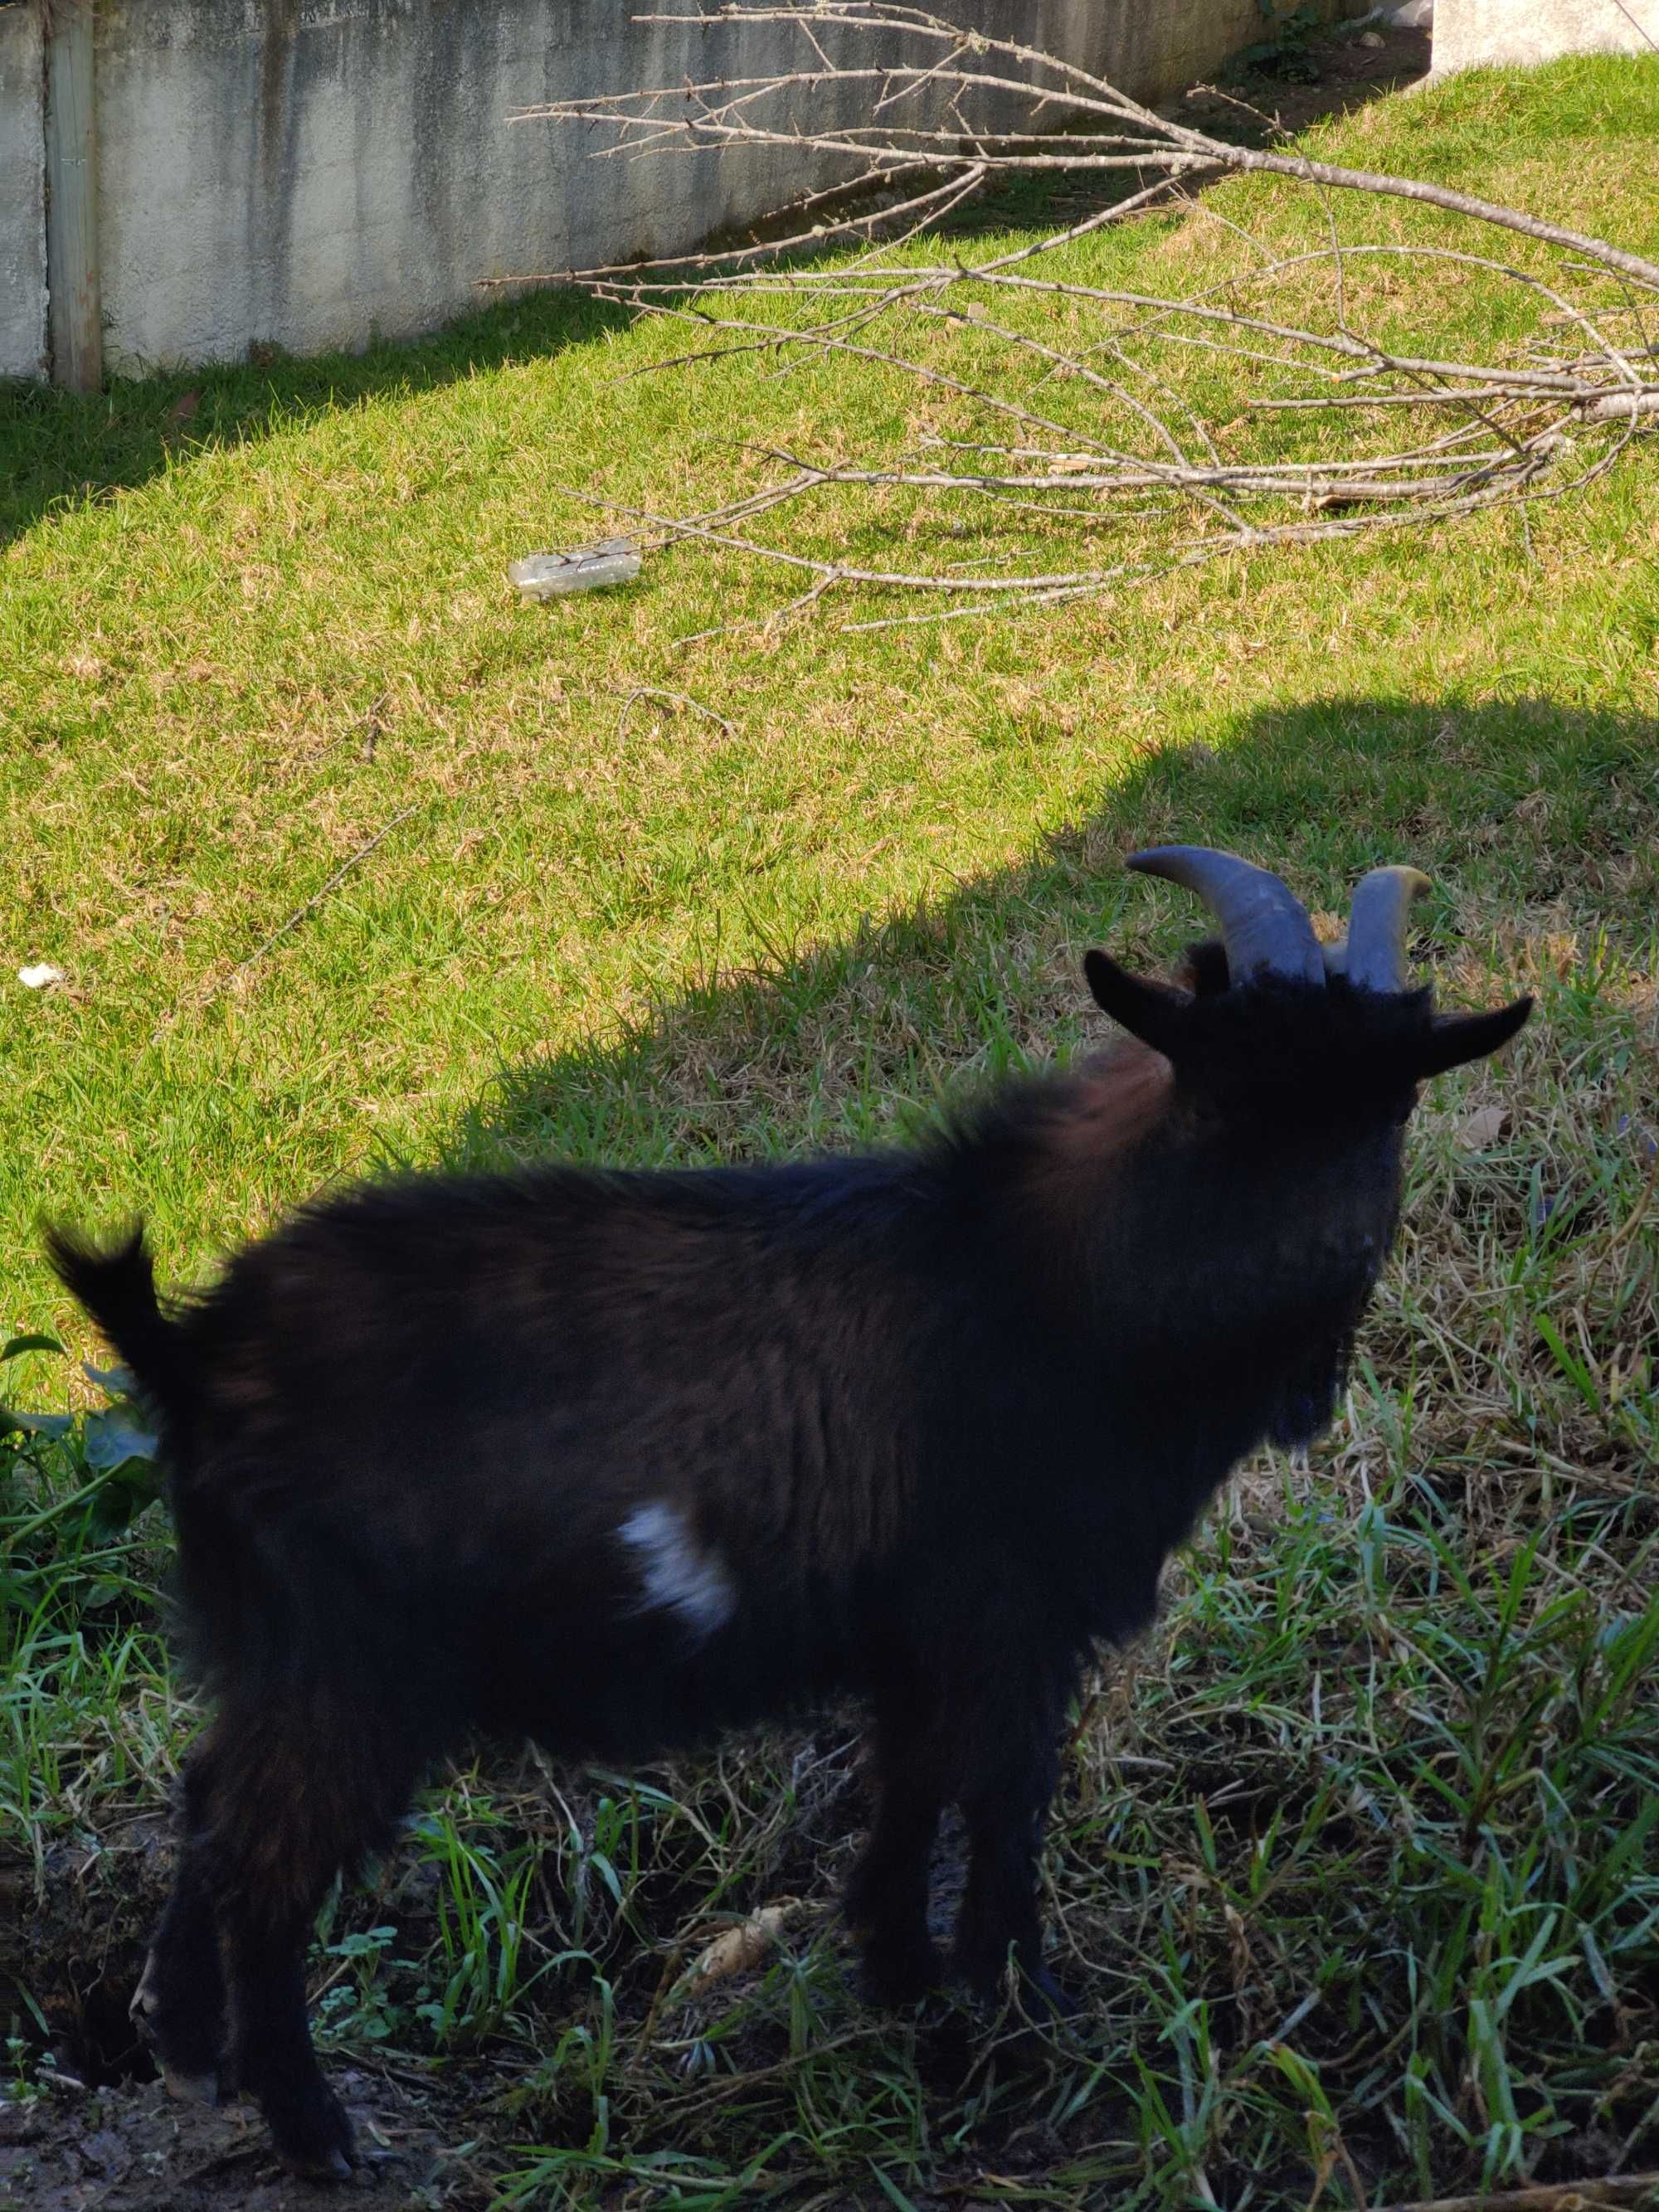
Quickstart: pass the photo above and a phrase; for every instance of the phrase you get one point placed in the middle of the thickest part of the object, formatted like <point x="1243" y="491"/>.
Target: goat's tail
<point x="116" y="1284"/>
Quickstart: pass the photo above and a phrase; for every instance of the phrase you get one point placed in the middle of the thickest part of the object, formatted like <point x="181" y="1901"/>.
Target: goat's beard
<point x="1308" y="1398"/>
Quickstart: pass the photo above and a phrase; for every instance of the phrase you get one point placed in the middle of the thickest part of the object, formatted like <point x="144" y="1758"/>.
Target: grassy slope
<point x="1394" y="1739"/>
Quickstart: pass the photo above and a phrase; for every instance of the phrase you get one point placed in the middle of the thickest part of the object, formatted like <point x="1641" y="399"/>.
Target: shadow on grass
<point x="59" y="448"/>
<point x="1533" y="818"/>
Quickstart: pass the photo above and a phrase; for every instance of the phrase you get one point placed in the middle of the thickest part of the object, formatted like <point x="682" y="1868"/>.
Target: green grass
<point x="1355" y="1858"/>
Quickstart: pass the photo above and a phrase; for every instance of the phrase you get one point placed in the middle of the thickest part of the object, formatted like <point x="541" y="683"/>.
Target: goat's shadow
<point x="1533" y="818"/>
<point x="1524" y="811"/>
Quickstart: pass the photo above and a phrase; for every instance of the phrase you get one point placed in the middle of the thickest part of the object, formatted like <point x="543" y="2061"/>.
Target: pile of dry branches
<point x="1115" y="416"/>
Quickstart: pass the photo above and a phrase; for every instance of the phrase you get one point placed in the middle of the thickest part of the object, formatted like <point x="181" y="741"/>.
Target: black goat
<point x="616" y="1459"/>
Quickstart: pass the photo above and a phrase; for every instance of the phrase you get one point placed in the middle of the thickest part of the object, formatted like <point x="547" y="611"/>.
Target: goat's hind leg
<point x="178" y="2007"/>
<point x="295" y="1804"/>
<point x="265" y="1947"/>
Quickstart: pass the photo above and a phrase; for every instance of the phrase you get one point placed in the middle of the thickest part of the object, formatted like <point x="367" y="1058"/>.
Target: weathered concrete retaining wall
<point x="23" y="193"/>
<point x="308" y="173"/>
<point x="1467" y="33"/>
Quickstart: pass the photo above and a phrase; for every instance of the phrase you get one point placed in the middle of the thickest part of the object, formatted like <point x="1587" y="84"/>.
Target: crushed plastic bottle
<point x="588" y="568"/>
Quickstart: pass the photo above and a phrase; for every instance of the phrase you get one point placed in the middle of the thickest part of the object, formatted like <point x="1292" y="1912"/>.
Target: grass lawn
<point x="1357" y="1855"/>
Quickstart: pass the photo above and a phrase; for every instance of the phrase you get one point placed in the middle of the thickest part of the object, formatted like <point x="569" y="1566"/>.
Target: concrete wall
<point x="1467" y="33"/>
<point x="23" y="193"/>
<point x="311" y="173"/>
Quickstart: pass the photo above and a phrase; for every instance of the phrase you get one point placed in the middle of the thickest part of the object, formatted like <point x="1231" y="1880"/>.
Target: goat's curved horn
<point x="1264" y="925"/>
<point x="1376" y="927"/>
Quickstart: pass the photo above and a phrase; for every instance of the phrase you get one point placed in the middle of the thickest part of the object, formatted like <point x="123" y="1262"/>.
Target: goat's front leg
<point x="887" y="1894"/>
<point x="1006" y="1808"/>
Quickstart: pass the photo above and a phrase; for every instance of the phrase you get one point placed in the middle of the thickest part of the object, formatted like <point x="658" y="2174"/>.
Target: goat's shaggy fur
<point x="615" y="1461"/>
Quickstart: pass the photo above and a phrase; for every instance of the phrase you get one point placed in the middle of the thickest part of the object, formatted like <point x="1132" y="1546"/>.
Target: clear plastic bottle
<point x="587" y="568"/>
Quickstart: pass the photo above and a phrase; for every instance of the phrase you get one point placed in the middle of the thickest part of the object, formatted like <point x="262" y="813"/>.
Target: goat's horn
<point x="1376" y="927"/>
<point x="1263" y="925"/>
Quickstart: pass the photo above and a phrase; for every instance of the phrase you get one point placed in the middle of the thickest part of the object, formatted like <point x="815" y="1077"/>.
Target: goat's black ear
<point x="1152" y="1011"/>
<point x="1204" y="967"/>
<point x="1455" y="1038"/>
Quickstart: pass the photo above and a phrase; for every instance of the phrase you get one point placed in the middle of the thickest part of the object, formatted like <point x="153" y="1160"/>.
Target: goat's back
<point x="634" y="1446"/>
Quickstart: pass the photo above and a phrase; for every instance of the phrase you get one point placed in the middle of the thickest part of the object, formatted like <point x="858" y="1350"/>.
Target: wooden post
<point x="76" y="310"/>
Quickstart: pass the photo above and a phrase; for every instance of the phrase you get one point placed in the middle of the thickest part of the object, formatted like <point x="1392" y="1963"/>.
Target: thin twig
<point x="318" y="896"/>
<point x="1548" y="2197"/>
<point x="293" y="922"/>
<point x="721" y="114"/>
<point x="671" y="698"/>
<point x="1535" y="425"/>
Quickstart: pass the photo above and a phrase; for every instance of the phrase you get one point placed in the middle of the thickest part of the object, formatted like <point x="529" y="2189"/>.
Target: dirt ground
<point x="107" y="2137"/>
<point x="133" y="2148"/>
<point x="104" y="2136"/>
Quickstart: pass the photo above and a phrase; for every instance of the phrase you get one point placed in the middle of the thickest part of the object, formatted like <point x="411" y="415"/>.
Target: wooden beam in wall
<point x="75" y="308"/>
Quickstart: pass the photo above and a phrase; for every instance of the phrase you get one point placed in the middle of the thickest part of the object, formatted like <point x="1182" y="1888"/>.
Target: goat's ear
<point x="1152" y="1011"/>
<point x="1204" y="969"/>
<point x="1455" y="1038"/>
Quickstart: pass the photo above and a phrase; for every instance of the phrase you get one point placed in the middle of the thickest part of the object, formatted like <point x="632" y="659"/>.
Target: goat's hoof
<point x="190" y="2088"/>
<point x="981" y="1978"/>
<point x="310" y="2132"/>
<point x="1032" y="1990"/>
<point x="1047" y="2000"/>
<point x="185" y="2053"/>
<point x="894" y="1978"/>
<point x="330" y="2166"/>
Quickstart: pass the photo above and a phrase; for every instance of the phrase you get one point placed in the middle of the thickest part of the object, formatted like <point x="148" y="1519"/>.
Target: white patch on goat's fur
<point x="678" y="1576"/>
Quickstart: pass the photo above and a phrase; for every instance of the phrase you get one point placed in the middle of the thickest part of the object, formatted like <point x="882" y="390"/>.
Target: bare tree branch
<point x="1095" y="435"/>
